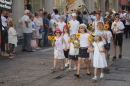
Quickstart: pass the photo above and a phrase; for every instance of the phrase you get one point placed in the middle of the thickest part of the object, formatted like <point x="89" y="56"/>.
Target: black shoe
<point x="120" y="56"/>
<point x="114" y="58"/>
<point x="89" y="73"/>
<point x="24" y="50"/>
<point x="76" y="75"/>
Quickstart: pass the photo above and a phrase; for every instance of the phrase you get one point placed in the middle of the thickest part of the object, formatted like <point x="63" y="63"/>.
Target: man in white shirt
<point x="74" y="24"/>
<point x="56" y="17"/>
<point x="51" y="24"/>
<point x="4" y="33"/>
<point x="27" y="31"/>
<point x="118" y="29"/>
<point x="127" y="24"/>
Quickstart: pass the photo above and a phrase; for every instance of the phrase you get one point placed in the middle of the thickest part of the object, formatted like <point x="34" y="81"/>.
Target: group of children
<point x="72" y="48"/>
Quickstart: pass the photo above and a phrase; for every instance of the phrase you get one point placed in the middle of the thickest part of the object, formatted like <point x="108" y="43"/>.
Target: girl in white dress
<point x="66" y="37"/>
<point x="99" y="60"/>
<point x="58" y="49"/>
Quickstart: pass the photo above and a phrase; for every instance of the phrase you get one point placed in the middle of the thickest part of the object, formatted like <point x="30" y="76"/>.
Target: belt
<point x="83" y="47"/>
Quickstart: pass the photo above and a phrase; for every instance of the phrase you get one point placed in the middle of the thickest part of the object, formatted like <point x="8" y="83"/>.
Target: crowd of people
<point x="71" y="34"/>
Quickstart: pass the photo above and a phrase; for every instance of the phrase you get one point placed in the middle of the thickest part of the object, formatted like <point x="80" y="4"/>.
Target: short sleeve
<point x="121" y="25"/>
<point x="112" y="26"/>
<point x="27" y="19"/>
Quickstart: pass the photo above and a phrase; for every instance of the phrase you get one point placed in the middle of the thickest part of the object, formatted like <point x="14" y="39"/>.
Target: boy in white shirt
<point x="118" y="29"/>
<point x="61" y="23"/>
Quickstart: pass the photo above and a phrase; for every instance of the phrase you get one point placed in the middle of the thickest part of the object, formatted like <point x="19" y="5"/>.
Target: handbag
<point x="40" y="30"/>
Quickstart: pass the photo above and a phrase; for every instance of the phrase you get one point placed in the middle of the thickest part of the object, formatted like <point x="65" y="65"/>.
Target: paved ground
<point x="33" y="69"/>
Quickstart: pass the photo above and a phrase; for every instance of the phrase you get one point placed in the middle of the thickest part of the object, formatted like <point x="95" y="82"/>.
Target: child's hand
<point x="89" y="51"/>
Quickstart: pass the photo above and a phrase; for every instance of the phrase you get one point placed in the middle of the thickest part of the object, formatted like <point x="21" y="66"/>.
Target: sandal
<point x="11" y="56"/>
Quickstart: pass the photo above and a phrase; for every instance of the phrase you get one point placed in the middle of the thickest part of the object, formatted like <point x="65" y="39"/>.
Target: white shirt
<point x="61" y="25"/>
<point x="12" y="38"/>
<point x="66" y="37"/>
<point x="127" y="22"/>
<point x="84" y="42"/>
<point x="119" y="26"/>
<point x="74" y="25"/>
<point x="56" y="17"/>
<point x="4" y="23"/>
<point x="25" y="29"/>
<point x="89" y="19"/>
<point x="51" y="22"/>
<point x="109" y="36"/>
<point x="73" y="50"/>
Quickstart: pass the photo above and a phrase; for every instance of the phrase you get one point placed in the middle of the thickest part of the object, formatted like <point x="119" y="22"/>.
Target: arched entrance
<point x="106" y="5"/>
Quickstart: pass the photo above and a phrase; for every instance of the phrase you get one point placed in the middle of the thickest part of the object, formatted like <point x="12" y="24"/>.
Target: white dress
<point x="66" y="38"/>
<point x="58" y="49"/>
<point x="99" y="60"/>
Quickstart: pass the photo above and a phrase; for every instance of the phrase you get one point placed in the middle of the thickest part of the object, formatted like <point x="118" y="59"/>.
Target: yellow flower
<point x="70" y="41"/>
<point x="115" y="24"/>
<point x="68" y="24"/>
<point x="53" y="38"/>
<point x="106" y="26"/>
<point x="54" y="24"/>
<point x="77" y="35"/>
<point x="49" y="37"/>
<point x="90" y="38"/>
<point x="90" y="25"/>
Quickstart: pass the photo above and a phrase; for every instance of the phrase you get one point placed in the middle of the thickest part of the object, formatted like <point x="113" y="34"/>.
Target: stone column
<point x="18" y="12"/>
<point x="116" y="5"/>
<point x="90" y="5"/>
<point x="102" y="6"/>
<point x="48" y="5"/>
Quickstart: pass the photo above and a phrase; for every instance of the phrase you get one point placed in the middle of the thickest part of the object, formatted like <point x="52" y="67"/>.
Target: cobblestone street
<point x="34" y="69"/>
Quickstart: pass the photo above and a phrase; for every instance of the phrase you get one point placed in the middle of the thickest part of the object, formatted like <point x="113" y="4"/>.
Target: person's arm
<point x="26" y="21"/>
<point x="64" y="43"/>
<point x="13" y="31"/>
<point x="103" y="49"/>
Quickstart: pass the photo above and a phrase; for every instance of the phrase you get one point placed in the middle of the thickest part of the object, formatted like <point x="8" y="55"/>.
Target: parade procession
<point x="64" y="42"/>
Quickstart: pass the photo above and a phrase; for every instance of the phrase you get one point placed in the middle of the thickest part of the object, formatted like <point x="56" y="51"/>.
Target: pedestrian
<point x="33" y="40"/>
<point x="108" y="42"/>
<point x="118" y="29"/>
<point x="12" y="39"/>
<point x="95" y="23"/>
<point x="56" y="16"/>
<point x="27" y="31"/>
<point x="73" y="53"/>
<point x="127" y="24"/>
<point x="51" y="24"/>
<point x="99" y="60"/>
<point x="85" y="18"/>
<point x="61" y="23"/>
<point x="46" y="28"/>
<point x="79" y="18"/>
<point x="66" y="37"/>
<point x="74" y="24"/>
<point x="39" y="26"/>
<point x="84" y="44"/>
<point x="4" y="34"/>
<point x="58" y="49"/>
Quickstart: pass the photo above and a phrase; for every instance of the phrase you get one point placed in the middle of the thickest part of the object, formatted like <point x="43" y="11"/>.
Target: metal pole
<point x="0" y="29"/>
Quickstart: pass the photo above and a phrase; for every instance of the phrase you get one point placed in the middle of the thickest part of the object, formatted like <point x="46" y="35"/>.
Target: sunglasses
<point x="117" y="17"/>
<point x="57" y="32"/>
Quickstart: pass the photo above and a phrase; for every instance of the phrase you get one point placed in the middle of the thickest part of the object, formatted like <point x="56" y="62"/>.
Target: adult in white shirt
<point x="4" y="34"/>
<point x="117" y="28"/>
<point x="95" y="22"/>
<point x="61" y="23"/>
<point x="40" y="13"/>
<point x="127" y="24"/>
<point x="56" y="17"/>
<point x="74" y="24"/>
<point x="27" y="31"/>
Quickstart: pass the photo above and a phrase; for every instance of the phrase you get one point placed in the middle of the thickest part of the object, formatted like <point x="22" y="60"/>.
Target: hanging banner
<point x="6" y="5"/>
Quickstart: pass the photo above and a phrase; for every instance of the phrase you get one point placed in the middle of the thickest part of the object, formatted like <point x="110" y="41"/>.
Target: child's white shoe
<point x="75" y="68"/>
<point x="94" y="78"/>
<point x="66" y="65"/>
<point x="101" y="75"/>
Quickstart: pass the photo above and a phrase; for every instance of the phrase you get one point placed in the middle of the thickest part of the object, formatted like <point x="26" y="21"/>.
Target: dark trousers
<point x="11" y="47"/>
<point x="3" y="39"/>
<point x="27" y="41"/>
<point x="46" y="36"/>
<point x="127" y="31"/>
